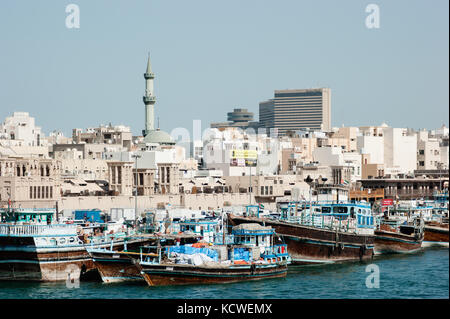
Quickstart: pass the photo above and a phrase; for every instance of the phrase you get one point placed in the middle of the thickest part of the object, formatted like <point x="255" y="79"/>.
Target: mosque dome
<point x="159" y="137"/>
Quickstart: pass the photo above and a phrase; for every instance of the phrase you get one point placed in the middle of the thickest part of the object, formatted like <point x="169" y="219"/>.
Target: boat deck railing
<point x="326" y="221"/>
<point x="108" y="239"/>
<point x="276" y="250"/>
<point x="29" y="210"/>
<point x="37" y="230"/>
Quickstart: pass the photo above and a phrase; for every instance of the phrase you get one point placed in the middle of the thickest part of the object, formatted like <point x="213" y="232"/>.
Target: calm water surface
<point x="421" y="275"/>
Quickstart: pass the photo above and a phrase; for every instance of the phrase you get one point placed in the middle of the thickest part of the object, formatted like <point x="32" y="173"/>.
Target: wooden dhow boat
<point x="320" y="233"/>
<point x="120" y="265"/>
<point x="34" y="247"/>
<point x="436" y="234"/>
<point x="436" y="227"/>
<point x="251" y="256"/>
<point x="397" y="234"/>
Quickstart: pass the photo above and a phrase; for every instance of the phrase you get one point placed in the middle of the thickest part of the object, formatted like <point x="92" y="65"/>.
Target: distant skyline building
<point x="240" y="118"/>
<point x="297" y="109"/>
<point x="21" y="128"/>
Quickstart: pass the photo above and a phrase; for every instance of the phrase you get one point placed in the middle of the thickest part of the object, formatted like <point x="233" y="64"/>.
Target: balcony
<point x="366" y="193"/>
<point x="149" y="75"/>
<point x="149" y="99"/>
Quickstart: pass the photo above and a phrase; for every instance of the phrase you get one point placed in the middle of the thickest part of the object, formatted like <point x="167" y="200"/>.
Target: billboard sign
<point x="243" y="158"/>
<point x="246" y="154"/>
<point x="387" y="202"/>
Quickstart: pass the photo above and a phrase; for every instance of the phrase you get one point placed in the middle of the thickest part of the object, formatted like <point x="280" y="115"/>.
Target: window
<point x="162" y="175"/>
<point x="352" y="212"/>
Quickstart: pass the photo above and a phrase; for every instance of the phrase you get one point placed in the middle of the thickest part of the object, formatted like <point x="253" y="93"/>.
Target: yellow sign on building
<point x="245" y="154"/>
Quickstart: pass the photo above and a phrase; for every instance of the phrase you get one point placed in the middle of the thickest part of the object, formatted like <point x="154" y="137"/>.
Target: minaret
<point x="149" y="99"/>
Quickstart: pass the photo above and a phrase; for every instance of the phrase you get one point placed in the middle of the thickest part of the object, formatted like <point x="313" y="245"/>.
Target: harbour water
<point x="424" y="274"/>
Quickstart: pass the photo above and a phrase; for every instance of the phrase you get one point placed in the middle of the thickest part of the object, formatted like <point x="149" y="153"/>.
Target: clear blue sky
<point x="212" y="56"/>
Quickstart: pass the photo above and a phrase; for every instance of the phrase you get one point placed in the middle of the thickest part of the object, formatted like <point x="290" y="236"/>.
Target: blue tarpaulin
<point x="189" y="250"/>
<point x="241" y="254"/>
<point x="90" y="215"/>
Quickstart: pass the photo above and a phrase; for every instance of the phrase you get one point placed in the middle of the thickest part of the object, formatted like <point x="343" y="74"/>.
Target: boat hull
<point x="44" y="265"/>
<point x="20" y="259"/>
<point x="116" y="266"/>
<point x="167" y="274"/>
<point x="309" y="245"/>
<point x="387" y="242"/>
<point x="436" y="236"/>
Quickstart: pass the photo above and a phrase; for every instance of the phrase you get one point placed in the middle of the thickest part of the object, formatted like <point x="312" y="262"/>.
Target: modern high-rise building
<point x="292" y="110"/>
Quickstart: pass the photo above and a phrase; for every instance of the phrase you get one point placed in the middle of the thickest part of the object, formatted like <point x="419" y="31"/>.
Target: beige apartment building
<point x="370" y="170"/>
<point x="120" y="177"/>
<point x="118" y="135"/>
<point x="31" y="182"/>
<point x="168" y="178"/>
<point x="266" y="189"/>
<point x="123" y="178"/>
<point x="344" y="137"/>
